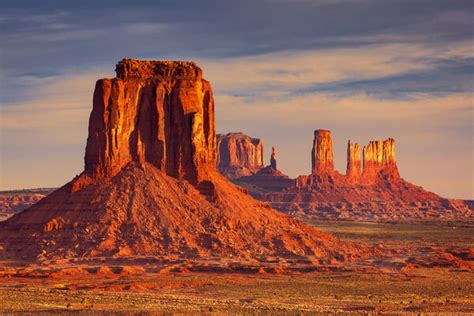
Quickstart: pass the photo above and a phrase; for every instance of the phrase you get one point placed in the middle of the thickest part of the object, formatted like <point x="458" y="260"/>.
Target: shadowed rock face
<point x="239" y="155"/>
<point x="160" y="112"/>
<point x="321" y="154"/>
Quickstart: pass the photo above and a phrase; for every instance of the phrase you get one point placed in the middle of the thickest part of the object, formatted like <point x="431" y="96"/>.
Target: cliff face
<point x="160" y="112"/>
<point x="379" y="160"/>
<point x="321" y="154"/>
<point x="239" y="155"/>
<point x="353" y="170"/>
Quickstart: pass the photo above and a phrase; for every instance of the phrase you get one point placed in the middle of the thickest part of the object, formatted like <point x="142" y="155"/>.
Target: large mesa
<point x="160" y="112"/>
<point x="239" y="155"/>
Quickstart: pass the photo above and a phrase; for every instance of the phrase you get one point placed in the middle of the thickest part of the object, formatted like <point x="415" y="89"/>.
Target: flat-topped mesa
<point x="157" y="69"/>
<point x="160" y="112"/>
<point x="239" y="155"/>
<point x="273" y="161"/>
<point x="321" y="154"/>
<point x="353" y="170"/>
<point x="379" y="160"/>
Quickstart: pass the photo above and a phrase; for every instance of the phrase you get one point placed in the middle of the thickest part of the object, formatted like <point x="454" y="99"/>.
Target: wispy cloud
<point x="297" y="70"/>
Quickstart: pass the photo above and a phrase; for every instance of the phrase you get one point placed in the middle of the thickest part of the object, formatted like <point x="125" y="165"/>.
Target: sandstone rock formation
<point x="12" y="202"/>
<point x="273" y="160"/>
<point x="268" y="179"/>
<point x="321" y="155"/>
<point x="158" y="112"/>
<point x="150" y="186"/>
<point x="239" y="155"/>
<point x="353" y="170"/>
<point x="375" y="194"/>
<point x="379" y="160"/>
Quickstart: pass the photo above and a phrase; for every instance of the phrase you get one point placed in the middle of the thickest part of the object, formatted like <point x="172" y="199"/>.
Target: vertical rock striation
<point x="160" y="112"/>
<point x="239" y="155"/>
<point x="321" y="155"/>
<point x="379" y="160"/>
<point x="353" y="170"/>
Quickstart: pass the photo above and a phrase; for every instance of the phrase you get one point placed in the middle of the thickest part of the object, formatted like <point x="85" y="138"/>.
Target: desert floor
<point x="424" y="276"/>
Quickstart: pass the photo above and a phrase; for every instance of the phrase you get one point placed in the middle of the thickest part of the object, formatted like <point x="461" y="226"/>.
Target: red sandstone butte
<point x="150" y="185"/>
<point x="159" y="112"/>
<point x="239" y="155"/>
<point x="321" y="155"/>
<point x="379" y="157"/>
<point x="353" y="170"/>
<point x="376" y="193"/>
<point x="268" y="179"/>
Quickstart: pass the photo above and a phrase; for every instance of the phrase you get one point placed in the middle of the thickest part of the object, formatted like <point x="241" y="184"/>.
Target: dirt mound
<point x="142" y="211"/>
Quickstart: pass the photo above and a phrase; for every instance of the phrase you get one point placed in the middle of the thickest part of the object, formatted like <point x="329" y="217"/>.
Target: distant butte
<point x="371" y="189"/>
<point x="150" y="185"/>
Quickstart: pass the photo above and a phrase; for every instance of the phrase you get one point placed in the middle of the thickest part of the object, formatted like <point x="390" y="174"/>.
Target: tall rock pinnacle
<point x="321" y="155"/>
<point x="273" y="161"/>
<point x="379" y="159"/>
<point x="353" y="170"/>
<point x="161" y="112"/>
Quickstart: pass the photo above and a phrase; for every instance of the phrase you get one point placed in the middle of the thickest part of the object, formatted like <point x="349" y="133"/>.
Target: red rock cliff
<point x="161" y="112"/>
<point x="379" y="160"/>
<point x="353" y="170"/>
<point x="321" y="155"/>
<point x="239" y="155"/>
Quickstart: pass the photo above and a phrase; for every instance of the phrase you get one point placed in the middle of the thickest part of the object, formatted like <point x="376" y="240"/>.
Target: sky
<point x="364" y="69"/>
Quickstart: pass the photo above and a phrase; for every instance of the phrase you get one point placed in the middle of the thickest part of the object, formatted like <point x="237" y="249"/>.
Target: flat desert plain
<point x="430" y="271"/>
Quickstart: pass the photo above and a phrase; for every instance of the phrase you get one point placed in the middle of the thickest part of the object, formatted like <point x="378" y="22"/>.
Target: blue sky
<point x="365" y="69"/>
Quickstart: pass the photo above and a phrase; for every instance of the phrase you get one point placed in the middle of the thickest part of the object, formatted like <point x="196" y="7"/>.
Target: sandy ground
<point x="424" y="277"/>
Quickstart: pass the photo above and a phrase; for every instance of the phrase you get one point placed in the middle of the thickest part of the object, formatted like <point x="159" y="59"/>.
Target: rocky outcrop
<point x="239" y="155"/>
<point x="268" y="179"/>
<point x="321" y="154"/>
<point x="12" y="202"/>
<point x="353" y="170"/>
<point x="151" y="188"/>
<point x="379" y="159"/>
<point x="376" y="193"/>
<point x="160" y="112"/>
<point x="273" y="160"/>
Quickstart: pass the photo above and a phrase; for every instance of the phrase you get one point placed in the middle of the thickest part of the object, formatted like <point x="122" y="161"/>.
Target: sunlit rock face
<point x="239" y="155"/>
<point x="321" y="154"/>
<point x="379" y="159"/>
<point x="353" y="170"/>
<point x="160" y="112"/>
